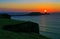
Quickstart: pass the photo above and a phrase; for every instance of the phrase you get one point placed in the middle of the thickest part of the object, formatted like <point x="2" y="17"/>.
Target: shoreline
<point x="11" y="22"/>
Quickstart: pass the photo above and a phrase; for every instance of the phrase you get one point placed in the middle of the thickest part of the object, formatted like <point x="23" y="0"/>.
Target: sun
<point x="45" y="10"/>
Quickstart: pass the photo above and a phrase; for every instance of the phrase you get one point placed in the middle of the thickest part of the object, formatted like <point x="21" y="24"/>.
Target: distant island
<point x="33" y="14"/>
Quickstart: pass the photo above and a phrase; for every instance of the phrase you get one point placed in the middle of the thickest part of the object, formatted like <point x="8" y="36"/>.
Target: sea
<point x="49" y="25"/>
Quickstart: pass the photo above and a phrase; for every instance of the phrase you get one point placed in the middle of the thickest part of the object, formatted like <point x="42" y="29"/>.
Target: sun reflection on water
<point x="43" y="24"/>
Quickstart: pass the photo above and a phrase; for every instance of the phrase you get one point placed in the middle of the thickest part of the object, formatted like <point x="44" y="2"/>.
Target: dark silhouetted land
<point x="6" y="29"/>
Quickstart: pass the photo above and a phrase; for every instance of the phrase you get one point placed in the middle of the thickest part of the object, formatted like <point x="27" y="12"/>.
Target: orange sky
<point x="50" y="7"/>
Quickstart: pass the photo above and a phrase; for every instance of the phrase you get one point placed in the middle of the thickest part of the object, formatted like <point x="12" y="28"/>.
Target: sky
<point x="30" y="5"/>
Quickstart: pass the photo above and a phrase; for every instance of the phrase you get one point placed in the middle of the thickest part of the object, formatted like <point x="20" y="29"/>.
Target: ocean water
<point x="49" y="25"/>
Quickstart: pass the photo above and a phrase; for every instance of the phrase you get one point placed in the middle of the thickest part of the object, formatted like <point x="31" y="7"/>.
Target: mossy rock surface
<point x="26" y="27"/>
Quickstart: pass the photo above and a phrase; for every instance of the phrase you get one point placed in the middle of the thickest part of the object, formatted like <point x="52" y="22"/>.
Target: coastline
<point x="5" y="33"/>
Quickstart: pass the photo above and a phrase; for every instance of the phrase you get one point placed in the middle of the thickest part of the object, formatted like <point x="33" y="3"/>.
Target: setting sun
<point x="45" y="10"/>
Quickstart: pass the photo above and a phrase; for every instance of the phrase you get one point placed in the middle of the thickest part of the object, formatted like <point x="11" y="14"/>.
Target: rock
<point x="5" y="16"/>
<point x="27" y="27"/>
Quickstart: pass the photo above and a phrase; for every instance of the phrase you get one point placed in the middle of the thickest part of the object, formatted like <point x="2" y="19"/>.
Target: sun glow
<point x="45" y="10"/>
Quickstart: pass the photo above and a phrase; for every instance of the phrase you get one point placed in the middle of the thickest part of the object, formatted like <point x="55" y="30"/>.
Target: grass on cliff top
<point x="9" y="22"/>
<point x="12" y="35"/>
